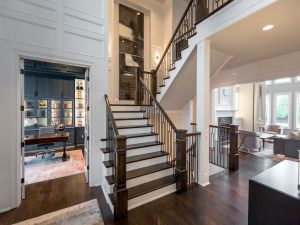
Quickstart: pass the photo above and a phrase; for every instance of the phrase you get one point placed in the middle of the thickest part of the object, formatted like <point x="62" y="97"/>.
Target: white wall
<point x="245" y="106"/>
<point x="67" y="31"/>
<point x="178" y="8"/>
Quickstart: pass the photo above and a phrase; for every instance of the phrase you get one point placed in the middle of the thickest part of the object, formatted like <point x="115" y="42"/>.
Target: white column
<point x="203" y="108"/>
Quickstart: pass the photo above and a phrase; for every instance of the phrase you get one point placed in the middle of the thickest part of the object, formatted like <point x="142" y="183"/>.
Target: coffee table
<point x="265" y="136"/>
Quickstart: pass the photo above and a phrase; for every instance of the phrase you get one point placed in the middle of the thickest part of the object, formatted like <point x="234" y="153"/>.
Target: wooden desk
<point x="48" y="138"/>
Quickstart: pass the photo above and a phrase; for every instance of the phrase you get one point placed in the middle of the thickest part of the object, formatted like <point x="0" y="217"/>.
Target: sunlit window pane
<point x="282" y="109"/>
<point x="283" y="80"/>
<point x="268" y="109"/>
<point x="268" y="82"/>
<point x="297" y="109"/>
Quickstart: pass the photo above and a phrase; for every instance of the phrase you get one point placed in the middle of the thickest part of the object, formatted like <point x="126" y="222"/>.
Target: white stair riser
<point x="131" y="122"/>
<point x="143" y="199"/>
<point x="135" y="130"/>
<point x="138" y="151"/>
<point x="141" y="164"/>
<point x="125" y="108"/>
<point x="143" y="179"/>
<point x="141" y="151"/>
<point x="138" y="140"/>
<point x="129" y="115"/>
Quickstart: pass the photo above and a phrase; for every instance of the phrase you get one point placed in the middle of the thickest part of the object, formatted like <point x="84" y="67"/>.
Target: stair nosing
<point x="128" y="111"/>
<point x="128" y="177"/>
<point x="169" y="180"/>
<point x="135" y="118"/>
<point x="129" y="136"/>
<point x="134" y="126"/>
<point x="163" y="153"/>
<point x="154" y="189"/>
<point x="137" y="146"/>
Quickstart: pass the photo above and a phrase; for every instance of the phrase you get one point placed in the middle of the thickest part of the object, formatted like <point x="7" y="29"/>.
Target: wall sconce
<point x="156" y="55"/>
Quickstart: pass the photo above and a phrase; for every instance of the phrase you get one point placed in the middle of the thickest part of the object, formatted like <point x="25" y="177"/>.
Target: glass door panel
<point x="68" y="113"/>
<point x="42" y="112"/>
<point x="55" y="112"/>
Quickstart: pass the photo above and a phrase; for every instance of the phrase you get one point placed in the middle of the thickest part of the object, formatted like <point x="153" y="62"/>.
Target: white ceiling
<point x="246" y="41"/>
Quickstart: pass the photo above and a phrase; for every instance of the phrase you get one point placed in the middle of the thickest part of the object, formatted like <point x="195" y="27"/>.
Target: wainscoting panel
<point x="30" y="32"/>
<point x="93" y="47"/>
<point x="91" y="7"/>
<point x="41" y="9"/>
<point x="86" y="23"/>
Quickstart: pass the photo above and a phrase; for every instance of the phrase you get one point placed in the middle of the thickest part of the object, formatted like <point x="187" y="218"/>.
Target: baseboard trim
<point x="204" y="184"/>
<point x="5" y="209"/>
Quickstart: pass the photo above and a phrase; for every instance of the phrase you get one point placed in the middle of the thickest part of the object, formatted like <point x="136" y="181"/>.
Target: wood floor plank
<point x="223" y="202"/>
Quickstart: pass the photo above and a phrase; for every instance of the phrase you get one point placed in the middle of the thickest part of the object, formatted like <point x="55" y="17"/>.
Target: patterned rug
<point x="268" y="153"/>
<point x="87" y="213"/>
<point x="38" y="169"/>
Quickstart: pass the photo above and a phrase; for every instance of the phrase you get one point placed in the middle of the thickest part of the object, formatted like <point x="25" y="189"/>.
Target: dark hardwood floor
<point x="223" y="202"/>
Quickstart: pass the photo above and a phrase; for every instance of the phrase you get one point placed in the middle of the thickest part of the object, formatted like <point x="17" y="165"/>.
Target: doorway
<point x="55" y="119"/>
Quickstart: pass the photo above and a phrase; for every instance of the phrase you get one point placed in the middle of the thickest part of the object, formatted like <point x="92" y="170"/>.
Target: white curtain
<point x="259" y="104"/>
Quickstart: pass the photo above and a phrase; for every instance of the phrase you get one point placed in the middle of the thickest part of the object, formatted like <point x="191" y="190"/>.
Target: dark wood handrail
<point x="221" y="127"/>
<point x="110" y="114"/>
<point x="158" y="105"/>
<point x="193" y="134"/>
<point x="174" y="35"/>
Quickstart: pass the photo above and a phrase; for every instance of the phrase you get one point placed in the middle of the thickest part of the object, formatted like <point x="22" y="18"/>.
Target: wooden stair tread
<point x="135" y="118"/>
<point x="135" y="146"/>
<point x="141" y="172"/>
<point x="134" y="126"/>
<point x="128" y="111"/>
<point x="135" y="135"/>
<point x="140" y="135"/>
<point x="138" y="158"/>
<point x="148" y="187"/>
<point x="115" y="104"/>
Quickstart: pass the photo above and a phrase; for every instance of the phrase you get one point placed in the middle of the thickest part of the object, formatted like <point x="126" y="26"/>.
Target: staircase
<point x="184" y="41"/>
<point x="144" y="155"/>
<point x="149" y="174"/>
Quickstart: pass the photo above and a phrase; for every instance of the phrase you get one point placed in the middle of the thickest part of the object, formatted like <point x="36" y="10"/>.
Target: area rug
<point x="38" y="169"/>
<point x="268" y="153"/>
<point x="87" y="213"/>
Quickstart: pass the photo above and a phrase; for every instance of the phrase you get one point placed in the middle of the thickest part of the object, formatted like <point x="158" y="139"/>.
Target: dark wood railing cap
<point x="111" y="116"/>
<point x="158" y="105"/>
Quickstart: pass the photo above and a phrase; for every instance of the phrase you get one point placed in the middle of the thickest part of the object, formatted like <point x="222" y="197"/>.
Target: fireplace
<point x="224" y="121"/>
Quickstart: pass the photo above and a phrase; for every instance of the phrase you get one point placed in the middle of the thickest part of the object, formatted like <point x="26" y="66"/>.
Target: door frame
<point x="18" y="59"/>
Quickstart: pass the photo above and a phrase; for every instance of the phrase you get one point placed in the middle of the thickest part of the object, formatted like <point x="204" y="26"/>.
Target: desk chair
<point x="46" y="153"/>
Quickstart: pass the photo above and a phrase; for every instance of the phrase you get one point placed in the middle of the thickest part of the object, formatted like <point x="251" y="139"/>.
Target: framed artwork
<point x="224" y="96"/>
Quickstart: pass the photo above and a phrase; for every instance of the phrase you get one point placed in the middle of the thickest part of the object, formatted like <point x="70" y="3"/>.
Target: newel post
<point x="138" y="87"/>
<point x="180" y="170"/>
<point x="153" y="82"/>
<point x="234" y="151"/>
<point x="120" y="190"/>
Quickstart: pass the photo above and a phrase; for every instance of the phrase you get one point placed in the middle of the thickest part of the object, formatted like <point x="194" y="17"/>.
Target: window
<point x="268" y="109"/>
<point x="268" y="82"/>
<point x="298" y="79"/>
<point x="281" y="106"/>
<point x="297" y="110"/>
<point x="283" y="80"/>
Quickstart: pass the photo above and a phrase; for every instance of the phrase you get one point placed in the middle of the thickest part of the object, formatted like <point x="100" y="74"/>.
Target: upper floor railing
<point x="196" y="11"/>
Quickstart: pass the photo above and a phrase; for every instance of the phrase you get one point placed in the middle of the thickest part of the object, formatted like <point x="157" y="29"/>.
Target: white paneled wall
<point x="63" y="31"/>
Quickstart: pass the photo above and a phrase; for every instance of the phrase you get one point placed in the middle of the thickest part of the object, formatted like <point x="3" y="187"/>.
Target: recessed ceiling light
<point x="138" y="13"/>
<point x="268" y="27"/>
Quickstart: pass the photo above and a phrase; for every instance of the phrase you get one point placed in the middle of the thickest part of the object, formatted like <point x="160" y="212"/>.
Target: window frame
<point x="289" y="109"/>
